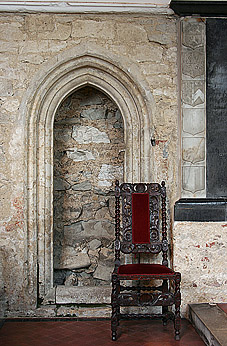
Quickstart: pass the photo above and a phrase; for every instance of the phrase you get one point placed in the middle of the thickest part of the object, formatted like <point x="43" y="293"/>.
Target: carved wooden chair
<point x="140" y="209"/>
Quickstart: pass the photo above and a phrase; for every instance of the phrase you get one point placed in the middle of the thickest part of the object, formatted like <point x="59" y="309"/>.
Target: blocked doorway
<point x="88" y="156"/>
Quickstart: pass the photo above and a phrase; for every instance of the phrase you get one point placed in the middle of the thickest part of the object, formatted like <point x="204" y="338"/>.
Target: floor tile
<point x="95" y="333"/>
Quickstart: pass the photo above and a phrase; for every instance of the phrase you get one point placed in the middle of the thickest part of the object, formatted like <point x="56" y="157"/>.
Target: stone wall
<point x="88" y="157"/>
<point x="143" y="48"/>
<point x="41" y="52"/>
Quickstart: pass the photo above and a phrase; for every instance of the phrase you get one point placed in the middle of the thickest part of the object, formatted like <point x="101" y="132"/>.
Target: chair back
<point x="140" y="210"/>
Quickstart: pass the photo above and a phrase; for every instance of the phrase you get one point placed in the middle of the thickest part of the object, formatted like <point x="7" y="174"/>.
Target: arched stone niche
<point x="61" y="76"/>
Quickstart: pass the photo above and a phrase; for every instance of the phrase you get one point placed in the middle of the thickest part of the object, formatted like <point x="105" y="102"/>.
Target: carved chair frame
<point x="168" y="293"/>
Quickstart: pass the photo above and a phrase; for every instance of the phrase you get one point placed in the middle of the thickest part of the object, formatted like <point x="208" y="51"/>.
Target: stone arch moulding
<point x="58" y="78"/>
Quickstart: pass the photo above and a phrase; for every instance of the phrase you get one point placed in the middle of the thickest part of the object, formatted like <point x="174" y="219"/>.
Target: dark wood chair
<point x="140" y="209"/>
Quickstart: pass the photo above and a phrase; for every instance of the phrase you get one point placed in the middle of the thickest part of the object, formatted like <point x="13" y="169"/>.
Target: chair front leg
<point x="177" y="296"/>
<point x="164" y="308"/>
<point x="115" y="306"/>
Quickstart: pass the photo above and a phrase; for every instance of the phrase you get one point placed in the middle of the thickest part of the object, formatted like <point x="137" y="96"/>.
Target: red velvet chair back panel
<point x="140" y="218"/>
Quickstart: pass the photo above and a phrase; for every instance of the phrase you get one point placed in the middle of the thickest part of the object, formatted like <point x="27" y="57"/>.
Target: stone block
<point x="78" y="155"/>
<point x="88" y="134"/>
<point x="161" y="38"/>
<point x="193" y="121"/>
<point x="90" y="100"/>
<point x="60" y="184"/>
<point x="193" y="149"/>
<point x="89" y="211"/>
<point x="84" y="186"/>
<point x="130" y="32"/>
<point x="9" y="47"/>
<point x="102" y="213"/>
<point x="69" y="311"/>
<point x="171" y="56"/>
<point x="103" y="272"/>
<point x="71" y="259"/>
<point x="141" y="53"/>
<point x="33" y="47"/>
<point x="153" y="69"/>
<point x="91" y="229"/>
<point x="6" y="87"/>
<point x="61" y="32"/>
<point x="47" y="311"/>
<point x="193" y="33"/>
<point x="193" y="62"/>
<point x="167" y="26"/>
<point x="34" y="59"/>
<point x="93" y="113"/>
<point x="83" y="295"/>
<point x="62" y="135"/>
<point x="107" y="174"/>
<point x="84" y="312"/>
<point x="12" y="32"/>
<point x="11" y="105"/>
<point x="73" y="233"/>
<point x="96" y="312"/>
<point x="56" y="46"/>
<point x="94" y="244"/>
<point x="193" y="93"/>
<point x="93" y="29"/>
<point x="41" y="23"/>
<point x="193" y="179"/>
<point x="103" y="229"/>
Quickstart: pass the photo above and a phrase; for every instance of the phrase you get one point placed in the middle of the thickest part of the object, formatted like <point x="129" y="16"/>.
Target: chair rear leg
<point x="164" y="311"/>
<point x="115" y="306"/>
<point x="177" y="321"/>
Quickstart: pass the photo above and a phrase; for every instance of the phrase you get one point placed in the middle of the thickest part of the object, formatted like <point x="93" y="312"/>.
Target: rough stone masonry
<point x="88" y="157"/>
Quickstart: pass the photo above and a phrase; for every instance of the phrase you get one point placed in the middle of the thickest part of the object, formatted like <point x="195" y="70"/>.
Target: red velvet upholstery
<point x="144" y="269"/>
<point x="140" y="218"/>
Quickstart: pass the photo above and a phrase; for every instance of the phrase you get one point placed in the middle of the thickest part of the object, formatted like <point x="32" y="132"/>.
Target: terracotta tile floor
<point x="95" y="333"/>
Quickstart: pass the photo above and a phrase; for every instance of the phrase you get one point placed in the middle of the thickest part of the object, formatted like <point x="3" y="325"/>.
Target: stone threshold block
<point x="210" y="322"/>
<point x="83" y="295"/>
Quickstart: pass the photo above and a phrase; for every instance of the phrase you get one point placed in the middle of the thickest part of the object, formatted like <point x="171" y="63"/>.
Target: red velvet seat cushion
<point x="144" y="269"/>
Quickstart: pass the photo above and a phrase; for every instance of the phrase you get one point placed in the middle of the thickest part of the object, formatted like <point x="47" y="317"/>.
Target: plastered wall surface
<point x="44" y="57"/>
<point x="199" y="253"/>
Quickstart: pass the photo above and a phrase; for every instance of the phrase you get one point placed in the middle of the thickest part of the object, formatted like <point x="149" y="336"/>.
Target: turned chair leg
<point x="164" y="308"/>
<point x="164" y="311"/>
<point x="115" y="306"/>
<point x="177" y="321"/>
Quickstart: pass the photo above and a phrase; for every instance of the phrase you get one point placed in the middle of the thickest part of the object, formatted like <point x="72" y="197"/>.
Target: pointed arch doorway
<point x="60" y="77"/>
